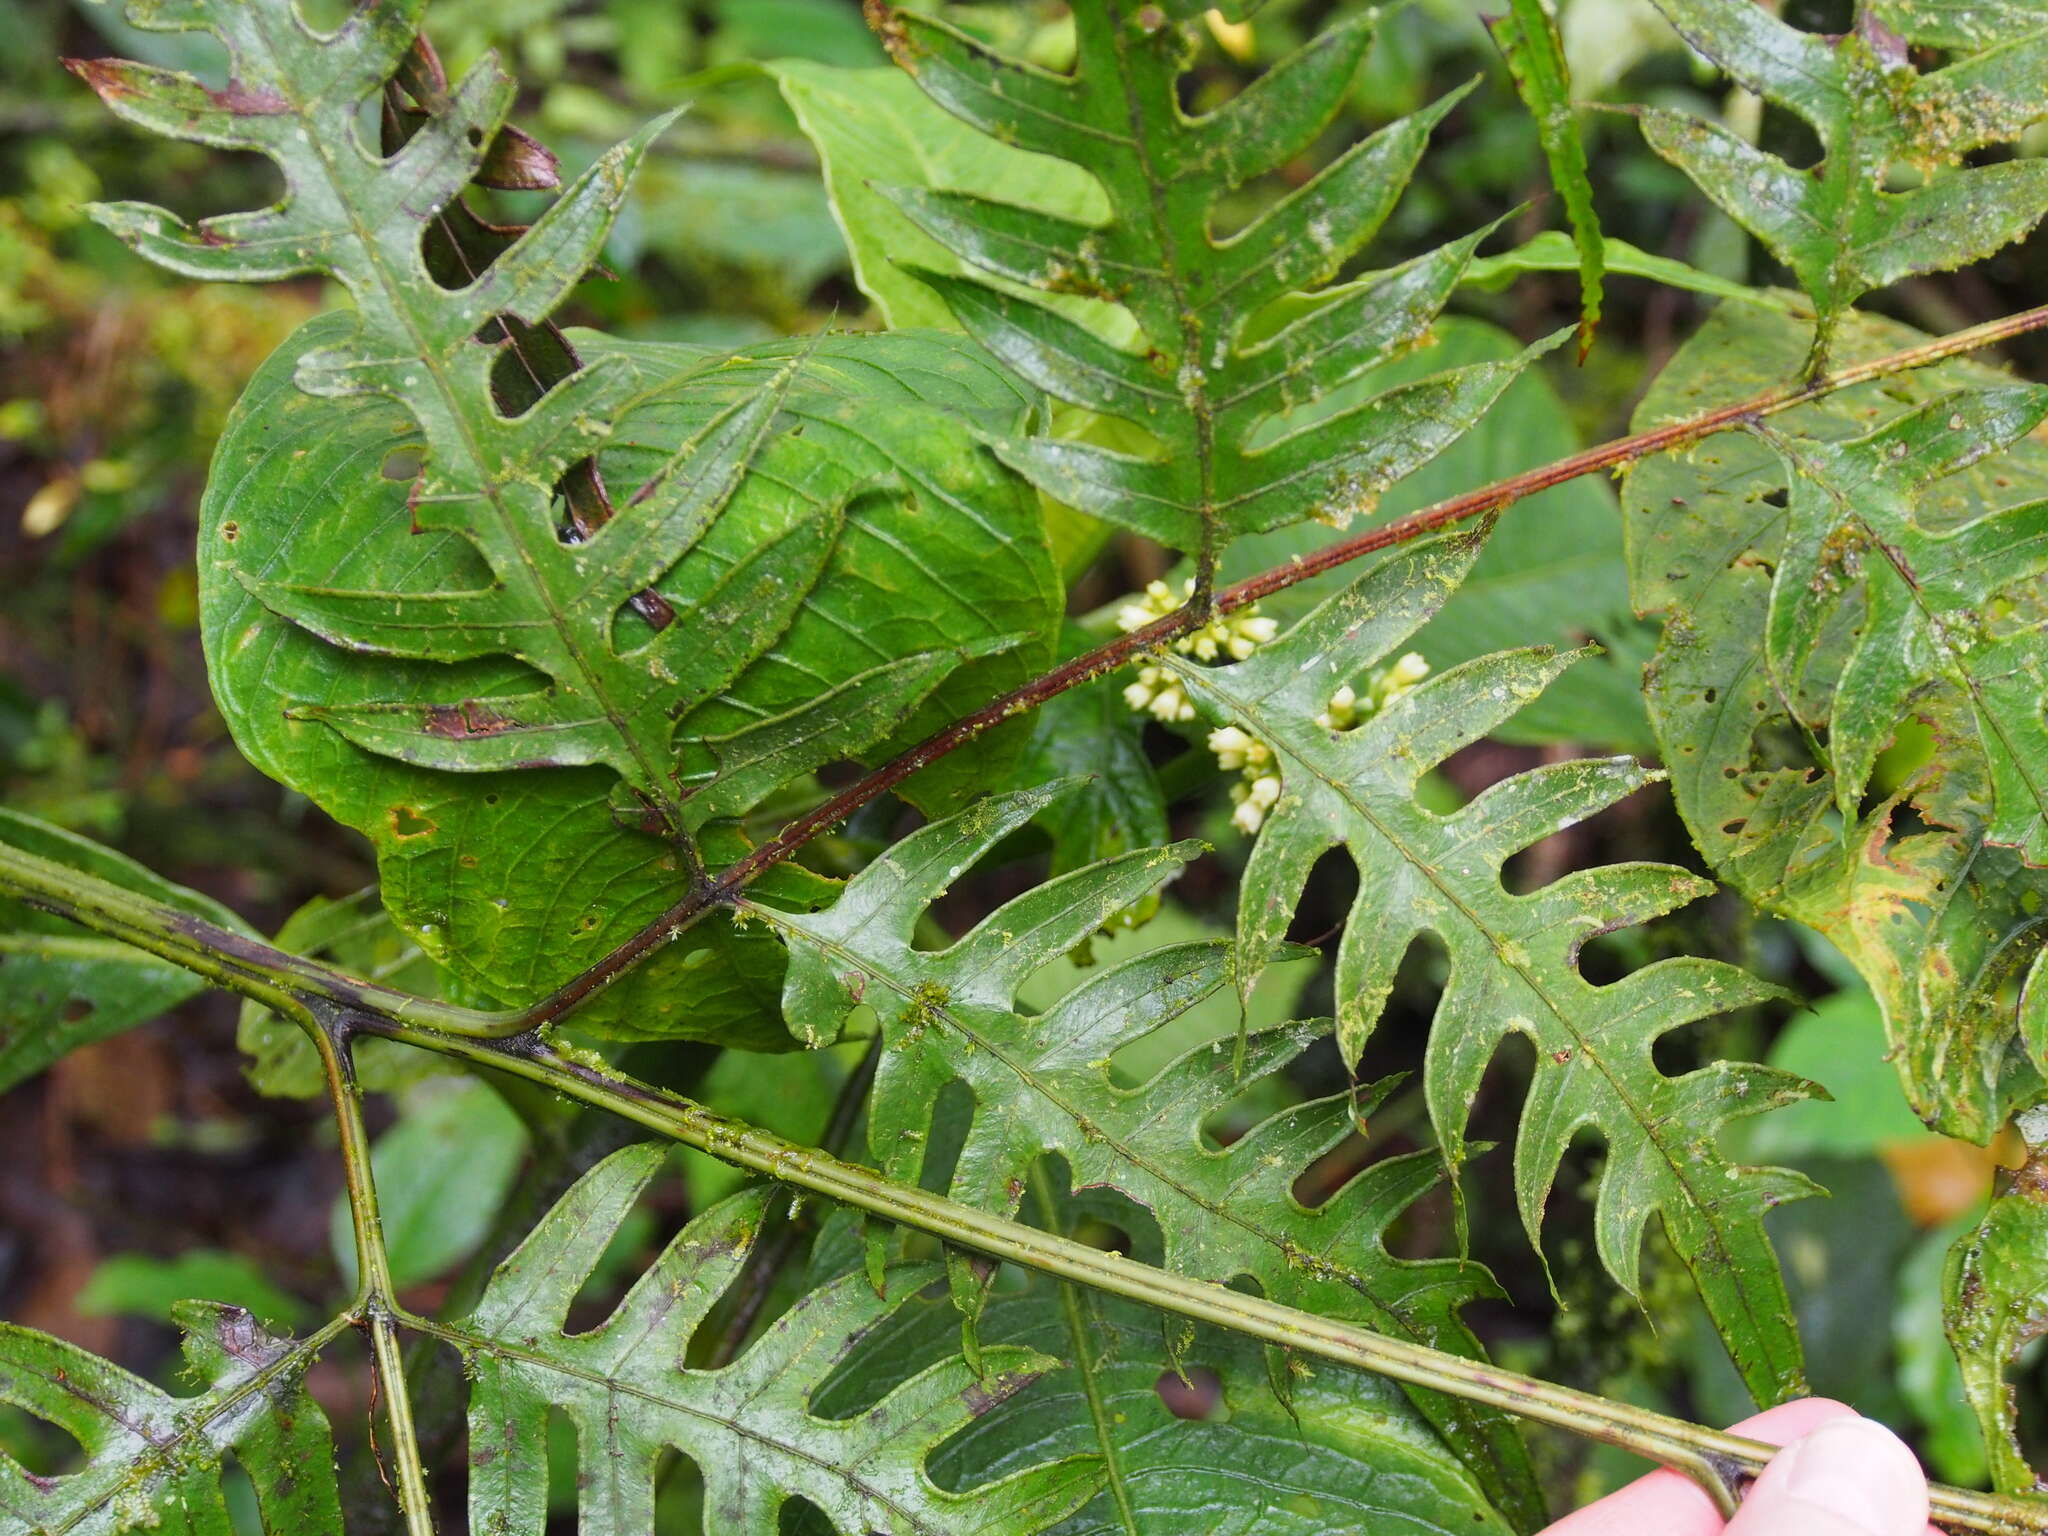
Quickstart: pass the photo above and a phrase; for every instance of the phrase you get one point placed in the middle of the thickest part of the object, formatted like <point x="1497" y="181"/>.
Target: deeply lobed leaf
<point x="1513" y="958"/>
<point x="1838" y="224"/>
<point x="1044" y="1084"/>
<point x="154" y="1461"/>
<point x="1212" y="399"/>
<point x="749" y="1426"/>
<point x="1904" y="878"/>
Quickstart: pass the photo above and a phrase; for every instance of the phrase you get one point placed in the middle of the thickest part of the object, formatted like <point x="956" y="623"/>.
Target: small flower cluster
<point x="1259" y="789"/>
<point x="1260" y="786"/>
<point x="1386" y="684"/>
<point x="1234" y="636"/>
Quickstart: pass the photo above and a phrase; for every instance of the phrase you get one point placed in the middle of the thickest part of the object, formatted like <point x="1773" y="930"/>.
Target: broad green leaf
<point x="1342" y="1451"/>
<point x="1995" y="1303"/>
<point x="874" y="128"/>
<point x="356" y="935"/>
<point x="1043" y="1083"/>
<point x="1838" y="224"/>
<point x="750" y="1427"/>
<point x="1940" y="921"/>
<point x="469" y="637"/>
<point x="1955" y="604"/>
<point x="1552" y="570"/>
<point x="1513" y="957"/>
<point x="154" y="1461"/>
<point x="138" y="1285"/>
<point x="1529" y="41"/>
<point x="442" y="1171"/>
<point x="63" y="986"/>
<point x="514" y="881"/>
<point x="1216" y="405"/>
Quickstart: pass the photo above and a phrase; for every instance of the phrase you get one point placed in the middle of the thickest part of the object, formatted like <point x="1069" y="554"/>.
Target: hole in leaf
<point x="409" y="823"/>
<point x="952" y="1114"/>
<point x="800" y="1517"/>
<point x="402" y="465"/>
<point x="76" y="1009"/>
<point x="1195" y="1392"/>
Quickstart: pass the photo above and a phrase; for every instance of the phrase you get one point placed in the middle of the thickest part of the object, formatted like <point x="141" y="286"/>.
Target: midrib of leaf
<point x="1086" y="1362"/>
<point x="398" y="298"/>
<point x="1952" y="664"/>
<point x="464" y="1339"/>
<point x="1194" y="397"/>
<point x="1085" y="1125"/>
<point x="161" y="1451"/>
<point x="1506" y="952"/>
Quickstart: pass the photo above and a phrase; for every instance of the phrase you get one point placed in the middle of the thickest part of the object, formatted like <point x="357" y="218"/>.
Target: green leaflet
<point x="1043" y="1083"/>
<point x="1528" y="39"/>
<point x="1994" y="1303"/>
<point x="1193" y="381"/>
<point x="1940" y="922"/>
<point x="1836" y="225"/>
<point x="874" y="128"/>
<point x="1513" y="958"/>
<point x="154" y="1461"/>
<point x="516" y="880"/>
<point x="1952" y="603"/>
<point x="1343" y="1451"/>
<point x="750" y="1426"/>
<point x="67" y="987"/>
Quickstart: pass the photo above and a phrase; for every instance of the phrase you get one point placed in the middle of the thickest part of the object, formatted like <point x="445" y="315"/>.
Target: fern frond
<point x="749" y="1426"/>
<point x="1835" y="224"/>
<point x="612" y="693"/>
<point x="153" y="1460"/>
<point x="1249" y="1447"/>
<point x="1939" y="919"/>
<point x="1513" y="958"/>
<point x="1935" y="602"/>
<point x="1044" y="1084"/>
<point x="1214" y="399"/>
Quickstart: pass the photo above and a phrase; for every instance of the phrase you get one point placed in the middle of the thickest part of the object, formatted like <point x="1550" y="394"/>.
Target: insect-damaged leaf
<point x="1214" y="400"/>
<point x="1901" y="873"/>
<point x="1513" y="957"/>
<point x="1044" y="1083"/>
<point x="155" y="1461"/>
<point x="691" y="649"/>
<point x="517" y="879"/>
<point x="1836" y="224"/>
<point x="749" y="1426"/>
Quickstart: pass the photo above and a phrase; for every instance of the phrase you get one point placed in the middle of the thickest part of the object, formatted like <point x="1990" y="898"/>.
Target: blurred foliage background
<point x="150" y="1167"/>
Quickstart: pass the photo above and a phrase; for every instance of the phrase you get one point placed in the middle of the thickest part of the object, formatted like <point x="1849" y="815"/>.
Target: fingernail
<point x="1858" y="1471"/>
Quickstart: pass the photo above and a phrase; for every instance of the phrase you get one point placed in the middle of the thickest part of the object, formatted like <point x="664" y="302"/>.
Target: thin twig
<point x="1115" y="653"/>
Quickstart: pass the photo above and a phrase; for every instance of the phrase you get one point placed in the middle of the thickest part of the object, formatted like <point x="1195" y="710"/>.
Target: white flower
<point x="1247" y="818"/>
<point x="1265" y="790"/>
<point x="1231" y="746"/>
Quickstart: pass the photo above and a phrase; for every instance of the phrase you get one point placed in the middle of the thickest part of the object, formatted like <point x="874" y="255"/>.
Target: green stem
<point x="1718" y="1462"/>
<point x="234" y="961"/>
<point x="376" y="1293"/>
